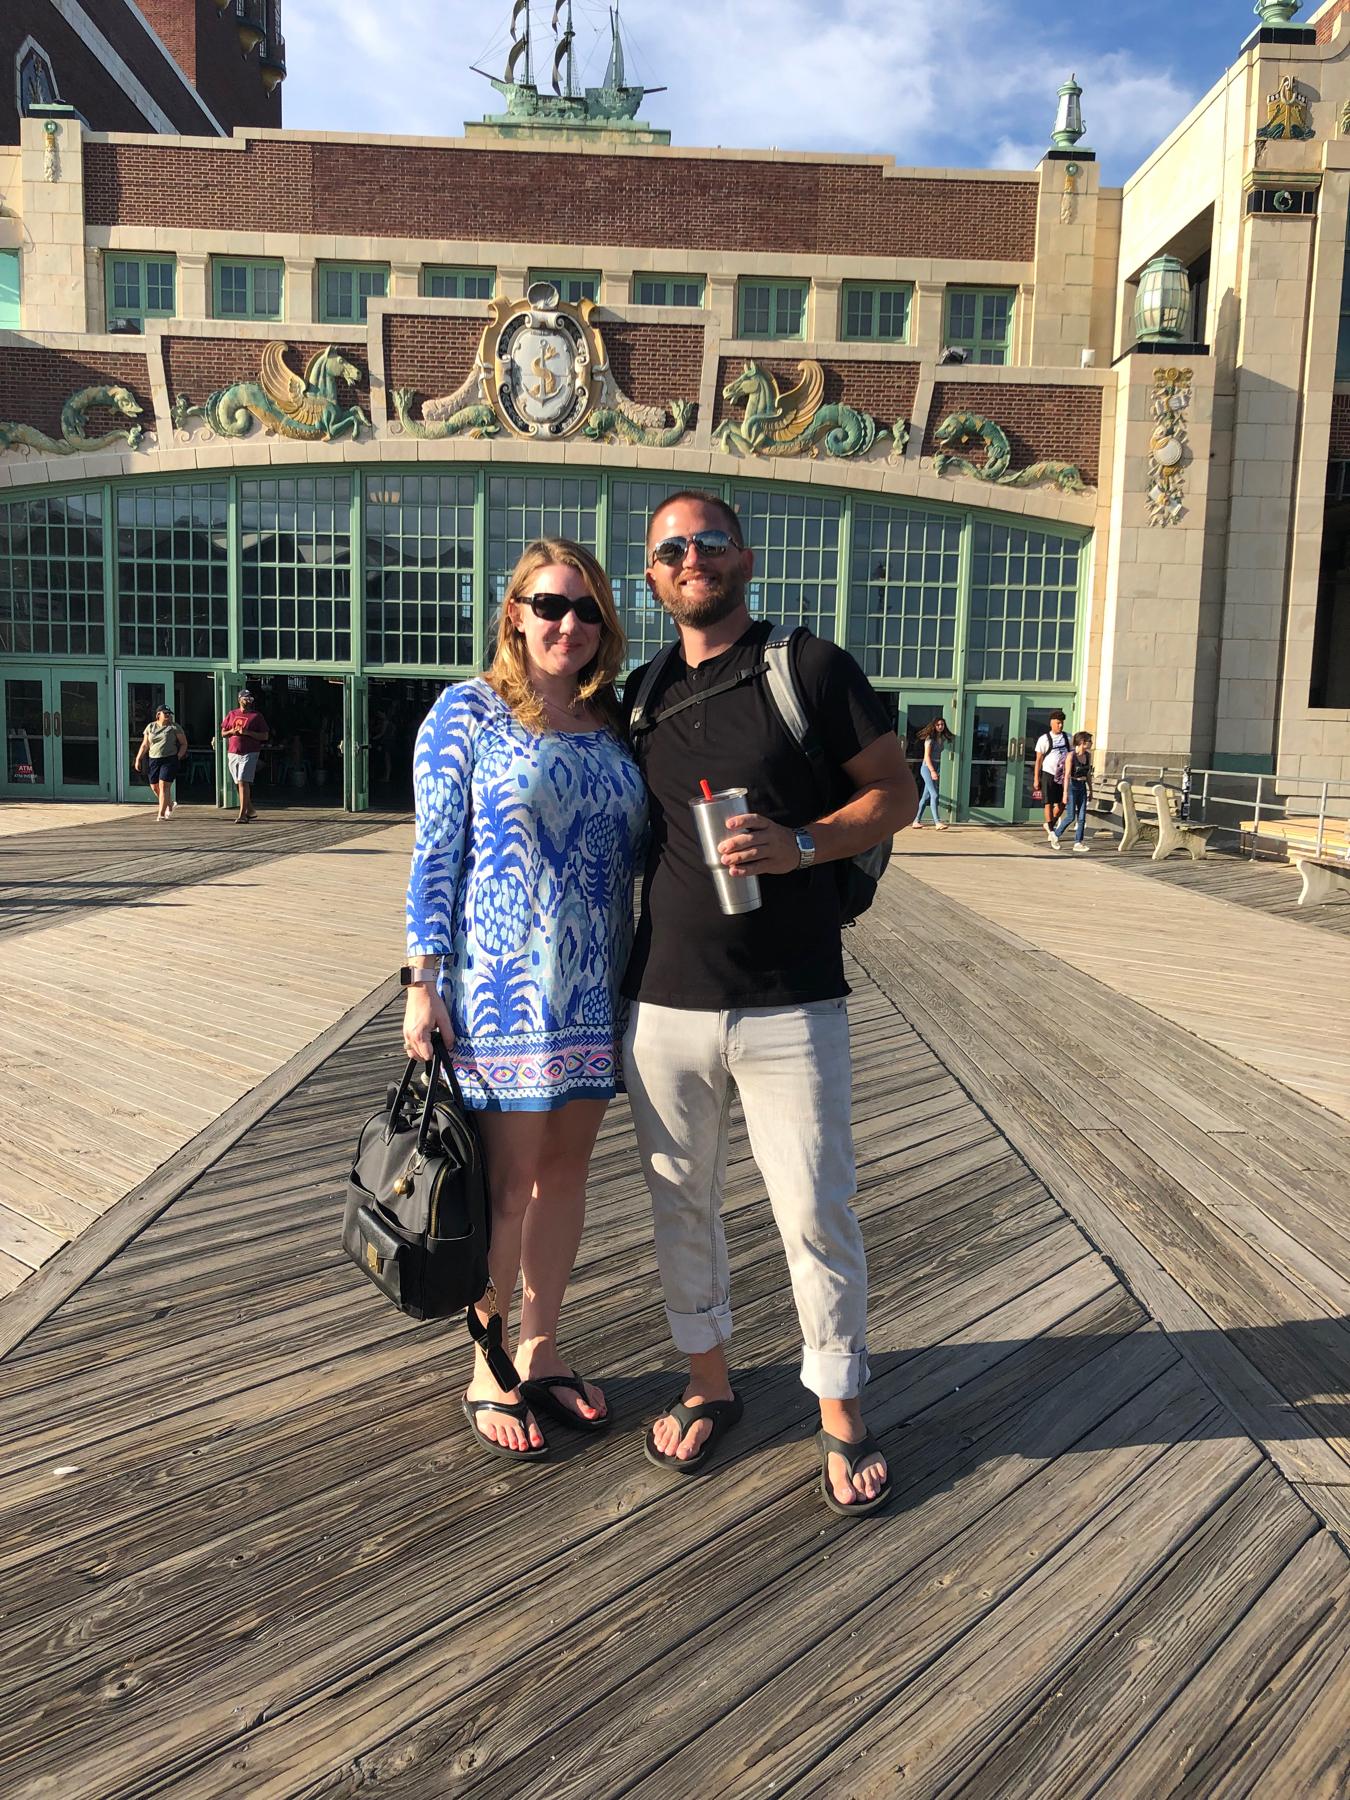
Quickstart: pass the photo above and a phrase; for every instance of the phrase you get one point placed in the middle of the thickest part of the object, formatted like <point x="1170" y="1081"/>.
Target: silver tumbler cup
<point x="735" y="893"/>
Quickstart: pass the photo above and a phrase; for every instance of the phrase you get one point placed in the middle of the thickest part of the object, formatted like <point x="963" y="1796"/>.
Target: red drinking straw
<point x="707" y="791"/>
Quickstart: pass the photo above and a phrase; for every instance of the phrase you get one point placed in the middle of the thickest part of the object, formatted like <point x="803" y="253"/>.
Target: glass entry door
<point x="356" y="744"/>
<point x="1000" y="755"/>
<point x="915" y="712"/>
<point x="56" y="734"/>
<point x="142" y="690"/>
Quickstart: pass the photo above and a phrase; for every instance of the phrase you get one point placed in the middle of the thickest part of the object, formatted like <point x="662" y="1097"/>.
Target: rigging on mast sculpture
<point x="613" y="105"/>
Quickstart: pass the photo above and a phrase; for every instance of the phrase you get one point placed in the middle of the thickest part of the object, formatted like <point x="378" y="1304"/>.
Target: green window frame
<point x="295" y="568"/>
<point x="247" y="287"/>
<point x="667" y="290"/>
<point x="875" y="312"/>
<point x="1343" y="338"/>
<point x="52" y="599"/>
<point x="796" y="541"/>
<point x="9" y="290"/>
<point x="441" y="283"/>
<point x="521" y="508"/>
<point x="573" y="285"/>
<point x="646" y="622"/>
<point x="173" y="570"/>
<point x="139" y="288"/>
<point x="419" y="570"/>
<point x="771" y="309"/>
<point x="345" y="289"/>
<point x="904" y="597"/>
<point x="1024" y="586"/>
<point x="980" y="322"/>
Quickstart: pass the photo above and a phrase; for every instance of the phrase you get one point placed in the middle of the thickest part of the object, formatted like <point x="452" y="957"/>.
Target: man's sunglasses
<point x="554" y="608"/>
<point x="709" y="544"/>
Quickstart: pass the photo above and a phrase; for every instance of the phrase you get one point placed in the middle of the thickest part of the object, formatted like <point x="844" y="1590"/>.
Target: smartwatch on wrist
<point x="408" y="977"/>
<point x="806" y="849"/>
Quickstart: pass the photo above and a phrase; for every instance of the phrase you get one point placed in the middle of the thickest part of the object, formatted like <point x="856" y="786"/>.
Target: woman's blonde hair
<point x="595" y="683"/>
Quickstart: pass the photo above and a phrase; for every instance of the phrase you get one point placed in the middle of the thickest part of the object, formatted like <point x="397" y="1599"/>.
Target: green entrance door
<point x="57" y="735"/>
<point x="916" y="710"/>
<point x="356" y="743"/>
<point x="999" y="755"/>
<point x="141" y="691"/>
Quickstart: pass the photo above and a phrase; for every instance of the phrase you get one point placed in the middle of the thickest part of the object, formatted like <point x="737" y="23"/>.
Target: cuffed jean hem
<point x="835" y="1374"/>
<point x="696" y="1332"/>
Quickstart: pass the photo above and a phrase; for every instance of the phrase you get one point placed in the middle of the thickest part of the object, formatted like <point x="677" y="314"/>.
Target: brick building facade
<point x="988" y="487"/>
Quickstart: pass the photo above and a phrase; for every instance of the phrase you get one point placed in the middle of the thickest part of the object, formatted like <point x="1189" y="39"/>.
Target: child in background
<point x="1077" y="793"/>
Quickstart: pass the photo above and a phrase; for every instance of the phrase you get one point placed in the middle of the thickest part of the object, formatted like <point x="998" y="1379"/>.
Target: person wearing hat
<point x="163" y="746"/>
<point x="245" y="732"/>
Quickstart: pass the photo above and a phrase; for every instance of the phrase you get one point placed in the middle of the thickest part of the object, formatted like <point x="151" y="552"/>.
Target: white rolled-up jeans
<point x="792" y="1070"/>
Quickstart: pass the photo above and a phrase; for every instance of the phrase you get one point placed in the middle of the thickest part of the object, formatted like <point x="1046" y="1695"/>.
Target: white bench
<point x="1323" y="877"/>
<point x="1153" y="812"/>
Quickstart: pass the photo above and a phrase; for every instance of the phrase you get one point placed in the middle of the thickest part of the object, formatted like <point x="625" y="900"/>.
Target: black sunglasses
<point x="554" y="608"/>
<point x="709" y="544"/>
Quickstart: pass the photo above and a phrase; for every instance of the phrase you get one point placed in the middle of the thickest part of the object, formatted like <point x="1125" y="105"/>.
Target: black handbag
<point x="417" y="1221"/>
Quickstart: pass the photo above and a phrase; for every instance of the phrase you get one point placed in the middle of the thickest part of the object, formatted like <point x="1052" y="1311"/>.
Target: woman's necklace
<point x="570" y="713"/>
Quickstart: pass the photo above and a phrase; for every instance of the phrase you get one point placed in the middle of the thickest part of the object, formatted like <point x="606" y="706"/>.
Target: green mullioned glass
<point x="771" y="309"/>
<point x="875" y="312"/>
<point x="419" y="570"/>
<point x="631" y="504"/>
<point x="668" y="290"/>
<point x="573" y="285"/>
<point x="979" y="321"/>
<point x="139" y="288"/>
<point x="246" y="288"/>
<point x="9" y="290"/>
<point x="52" y="576"/>
<point x="173" y="571"/>
<point x="521" y="508"/>
<point x="1023" y="604"/>
<point x="904" y="593"/>
<point x="345" y="289"/>
<point x="796" y="541"/>
<point x="440" y="283"/>
<point x="295" y="568"/>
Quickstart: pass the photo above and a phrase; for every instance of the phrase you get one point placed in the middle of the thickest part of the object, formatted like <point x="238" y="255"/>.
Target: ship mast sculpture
<point x="614" y="104"/>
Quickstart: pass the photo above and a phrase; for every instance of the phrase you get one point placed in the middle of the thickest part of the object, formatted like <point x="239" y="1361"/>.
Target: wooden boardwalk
<point x="249" y="1551"/>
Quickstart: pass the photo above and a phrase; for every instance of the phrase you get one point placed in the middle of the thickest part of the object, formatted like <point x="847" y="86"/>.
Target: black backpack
<point x="417" y="1220"/>
<point x="859" y="875"/>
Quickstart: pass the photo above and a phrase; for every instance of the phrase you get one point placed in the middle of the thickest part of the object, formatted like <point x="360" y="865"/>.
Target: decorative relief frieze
<point x="969" y="429"/>
<point x="285" y="404"/>
<point x="73" y="440"/>
<point x="543" y="372"/>
<point x="795" y="422"/>
<point x="1169" y="449"/>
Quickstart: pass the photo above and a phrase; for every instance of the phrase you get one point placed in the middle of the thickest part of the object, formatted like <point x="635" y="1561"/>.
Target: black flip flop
<point x="723" y="1414"/>
<point x="853" y="1454"/>
<point x="522" y="1412"/>
<point x="540" y="1395"/>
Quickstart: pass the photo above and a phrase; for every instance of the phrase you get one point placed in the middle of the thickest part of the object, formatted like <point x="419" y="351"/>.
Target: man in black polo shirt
<point x="755" y="999"/>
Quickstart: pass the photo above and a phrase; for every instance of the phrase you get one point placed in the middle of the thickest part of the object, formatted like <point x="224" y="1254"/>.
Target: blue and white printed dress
<point x="522" y="879"/>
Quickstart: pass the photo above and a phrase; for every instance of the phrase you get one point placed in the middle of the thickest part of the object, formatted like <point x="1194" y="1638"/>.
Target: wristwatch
<point x="408" y="977"/>
<point x="806" y="849"/>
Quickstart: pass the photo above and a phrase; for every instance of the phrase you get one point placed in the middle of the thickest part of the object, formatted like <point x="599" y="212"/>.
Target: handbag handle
<point x="438" y="1063"/>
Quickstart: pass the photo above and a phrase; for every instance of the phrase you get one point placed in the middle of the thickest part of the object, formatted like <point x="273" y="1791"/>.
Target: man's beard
<point x="707" y="609"/>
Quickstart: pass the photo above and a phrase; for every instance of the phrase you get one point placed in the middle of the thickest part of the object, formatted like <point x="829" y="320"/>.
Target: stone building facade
<point x="276" y="405"/>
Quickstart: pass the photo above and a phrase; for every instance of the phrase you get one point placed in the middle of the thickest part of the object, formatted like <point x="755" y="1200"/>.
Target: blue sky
<point x="970" y="85"/>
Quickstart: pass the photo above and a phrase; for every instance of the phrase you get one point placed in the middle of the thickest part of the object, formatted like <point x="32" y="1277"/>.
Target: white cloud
<point x="904" y="79"/>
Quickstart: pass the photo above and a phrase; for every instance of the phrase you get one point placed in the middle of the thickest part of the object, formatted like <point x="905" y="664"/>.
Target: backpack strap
<point x="788" y="701"/>
<point x="656" y="668"/>
<point x="642" y="721"/>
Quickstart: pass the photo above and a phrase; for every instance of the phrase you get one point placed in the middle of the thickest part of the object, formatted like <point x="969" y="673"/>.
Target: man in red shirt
<point x="245" y="732"/>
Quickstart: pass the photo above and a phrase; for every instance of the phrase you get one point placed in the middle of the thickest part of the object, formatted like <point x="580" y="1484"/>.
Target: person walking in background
<point x="1078" y="791"/>
<point x="530" y="813"/>
<point x="245" y="732"/>
<point x="163" y="747"/>
<point x="1047" y="782"/>
<point x="935" y="738"/>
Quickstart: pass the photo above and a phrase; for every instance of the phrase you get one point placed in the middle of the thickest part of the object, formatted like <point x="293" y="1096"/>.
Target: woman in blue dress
<point x="530" y="813"/>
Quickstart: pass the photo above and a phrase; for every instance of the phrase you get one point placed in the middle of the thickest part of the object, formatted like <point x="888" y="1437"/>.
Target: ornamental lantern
<point x="1162" y="307"/>
<point x="1069" y="118"/>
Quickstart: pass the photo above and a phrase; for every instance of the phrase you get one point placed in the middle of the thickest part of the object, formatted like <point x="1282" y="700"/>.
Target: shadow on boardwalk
<point x="248" y="1548"/>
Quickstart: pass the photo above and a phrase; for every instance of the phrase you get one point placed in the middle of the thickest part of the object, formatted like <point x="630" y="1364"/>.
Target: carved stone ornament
<point x="285" y="404"/>
<point x="1288" y="113"/>
<point x="73" y="440"/>
<point x="794" y="422"/>
<point x="1169" y="449"/>
<point x="969" y="429"/>
<point x="543" y="372"/>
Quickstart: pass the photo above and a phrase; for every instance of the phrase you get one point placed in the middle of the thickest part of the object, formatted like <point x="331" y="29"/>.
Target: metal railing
<point x="1213" y="796"/>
